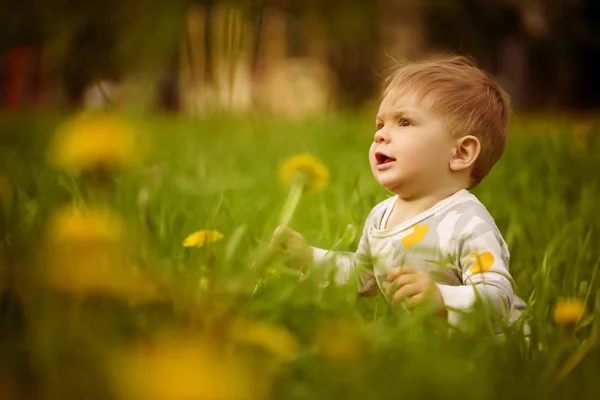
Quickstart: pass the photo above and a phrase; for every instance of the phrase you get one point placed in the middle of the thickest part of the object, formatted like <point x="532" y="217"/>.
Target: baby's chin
<point x="385" y="182"/>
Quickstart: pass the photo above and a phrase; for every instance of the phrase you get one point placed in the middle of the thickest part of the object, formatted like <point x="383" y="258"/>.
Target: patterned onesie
<point x="456" y="241"/>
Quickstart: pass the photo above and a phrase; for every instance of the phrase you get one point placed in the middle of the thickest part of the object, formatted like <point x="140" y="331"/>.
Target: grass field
<point x="106" y="302"/>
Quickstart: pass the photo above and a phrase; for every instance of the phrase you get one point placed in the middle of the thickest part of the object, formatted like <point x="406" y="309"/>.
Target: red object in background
<point x="22" y="78"/>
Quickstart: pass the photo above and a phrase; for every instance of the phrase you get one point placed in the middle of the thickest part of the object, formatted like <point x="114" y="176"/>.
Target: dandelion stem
<point x="580" y="354"/>
<point x="290" y="204"/>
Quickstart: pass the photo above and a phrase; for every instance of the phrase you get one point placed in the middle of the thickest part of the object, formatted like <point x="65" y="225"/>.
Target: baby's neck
<point x="406" y="208"/>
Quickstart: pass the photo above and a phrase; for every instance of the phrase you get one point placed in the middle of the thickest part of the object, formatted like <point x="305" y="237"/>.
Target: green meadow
<point x="101" y="299"/>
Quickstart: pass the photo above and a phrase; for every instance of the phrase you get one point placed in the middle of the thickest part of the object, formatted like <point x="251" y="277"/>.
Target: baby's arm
<point x="347" y="262"/>
<point x="483" y="261"/>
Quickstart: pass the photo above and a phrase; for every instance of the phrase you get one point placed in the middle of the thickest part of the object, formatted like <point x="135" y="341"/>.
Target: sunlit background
<point x="148" y="150"/>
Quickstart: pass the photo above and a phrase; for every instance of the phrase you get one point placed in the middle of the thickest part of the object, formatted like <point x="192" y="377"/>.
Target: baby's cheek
<point x="372" y="160"/>
<point x="372" y="151"/>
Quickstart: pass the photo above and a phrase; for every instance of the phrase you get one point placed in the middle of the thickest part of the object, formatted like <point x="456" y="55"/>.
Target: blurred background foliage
<point x="545" y="52"/>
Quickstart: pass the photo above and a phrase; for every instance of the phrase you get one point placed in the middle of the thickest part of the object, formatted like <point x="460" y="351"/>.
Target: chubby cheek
<point x="372" y="160"/>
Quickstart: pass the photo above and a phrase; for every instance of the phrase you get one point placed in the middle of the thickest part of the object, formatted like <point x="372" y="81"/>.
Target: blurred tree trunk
<point x="402" y="29"/>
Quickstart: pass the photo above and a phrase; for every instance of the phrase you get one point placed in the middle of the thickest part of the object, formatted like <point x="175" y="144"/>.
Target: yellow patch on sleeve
<point x="483" y="262"/>
<point x="419" y="232"/>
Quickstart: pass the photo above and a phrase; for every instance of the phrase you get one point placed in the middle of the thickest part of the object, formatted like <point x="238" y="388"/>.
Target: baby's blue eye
<point x="404" y="122"/>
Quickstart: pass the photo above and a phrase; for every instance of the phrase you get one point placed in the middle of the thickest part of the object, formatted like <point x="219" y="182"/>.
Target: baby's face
<point x="411" y="150"/>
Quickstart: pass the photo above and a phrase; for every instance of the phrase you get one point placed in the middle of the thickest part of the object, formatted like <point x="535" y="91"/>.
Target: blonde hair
<point x="471" y="102"/>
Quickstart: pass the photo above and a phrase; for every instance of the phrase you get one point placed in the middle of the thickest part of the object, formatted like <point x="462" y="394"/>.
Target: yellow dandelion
<point x="199" y="238"/>
<point x="313" y="174"/>
<point x="569" y="311"/>
<point x="85" y="255"/>
<point x="82" y="225"/>
<point x="95" y="141"/>
<point x="179" y="367"/>
<point x="272" y="338"/>
<point x="101" y="272"/>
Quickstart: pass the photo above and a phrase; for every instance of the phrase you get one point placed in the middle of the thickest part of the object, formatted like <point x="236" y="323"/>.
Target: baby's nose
<point x="380" y="136"/>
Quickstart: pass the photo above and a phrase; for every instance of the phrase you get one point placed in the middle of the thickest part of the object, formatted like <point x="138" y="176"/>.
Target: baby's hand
<point x="292" y="246"/>
<point x="416" y="287"/>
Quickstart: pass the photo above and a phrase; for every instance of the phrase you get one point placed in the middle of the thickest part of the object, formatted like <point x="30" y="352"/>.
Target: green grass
<point x="221" y="174"/>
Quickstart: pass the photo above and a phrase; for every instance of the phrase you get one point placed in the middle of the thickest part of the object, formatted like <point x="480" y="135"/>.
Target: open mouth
<point x="383" y="158"/>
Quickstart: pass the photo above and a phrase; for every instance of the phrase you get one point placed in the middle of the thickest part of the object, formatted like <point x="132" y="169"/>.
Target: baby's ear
<point x="465" y="154"/>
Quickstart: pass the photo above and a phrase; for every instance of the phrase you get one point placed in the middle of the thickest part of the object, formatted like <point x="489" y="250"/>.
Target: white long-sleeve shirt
<point x="456" y="241"/>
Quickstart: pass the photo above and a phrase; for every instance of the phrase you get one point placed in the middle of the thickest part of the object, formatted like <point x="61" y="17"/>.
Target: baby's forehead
<point x="408" y="98"/>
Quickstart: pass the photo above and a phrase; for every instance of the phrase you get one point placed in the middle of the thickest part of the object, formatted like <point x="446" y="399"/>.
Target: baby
<point x="441" y="127"/>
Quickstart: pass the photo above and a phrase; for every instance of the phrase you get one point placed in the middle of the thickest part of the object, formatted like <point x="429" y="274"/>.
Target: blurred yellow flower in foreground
<point x="275" y="339"/>
<point x="79" y="224"/>
<point x="95" y="141"/>
<point x="569" y="311"/>
<point x="339" y="338"/>
<point x="313" y="173"/>
<point x="85" y="255"/>
<point x="199" y="238"/>
<point x="101" y="272"/>
<point x="181" y="367"/>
